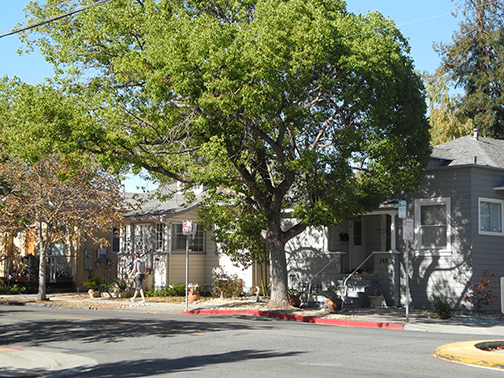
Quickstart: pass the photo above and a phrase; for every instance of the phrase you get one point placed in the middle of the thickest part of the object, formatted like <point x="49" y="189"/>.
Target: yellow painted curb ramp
<point x="473" y="353"/>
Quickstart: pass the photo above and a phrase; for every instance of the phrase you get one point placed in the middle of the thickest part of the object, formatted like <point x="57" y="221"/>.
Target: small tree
<point x="480" y="296"/>
<point x="57" y="202"/>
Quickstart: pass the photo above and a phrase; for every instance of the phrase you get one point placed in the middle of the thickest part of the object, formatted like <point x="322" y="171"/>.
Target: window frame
<point x="174" y="234"/>
<point x="491" y="200"/>
<point x="441" y="250"/>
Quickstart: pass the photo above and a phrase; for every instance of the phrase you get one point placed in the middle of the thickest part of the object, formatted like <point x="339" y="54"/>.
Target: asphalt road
<point x="137" y="344"/>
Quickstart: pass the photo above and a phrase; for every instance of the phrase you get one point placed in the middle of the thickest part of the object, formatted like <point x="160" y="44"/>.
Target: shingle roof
<point x="471" y="150"/>
<point x="163" y="202"/>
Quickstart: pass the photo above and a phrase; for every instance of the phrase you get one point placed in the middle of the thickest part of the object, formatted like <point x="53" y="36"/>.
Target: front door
<point x="357" y="252"/>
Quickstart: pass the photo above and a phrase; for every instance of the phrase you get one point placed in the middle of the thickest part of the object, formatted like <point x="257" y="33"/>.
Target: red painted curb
<point x="299" y="318"/>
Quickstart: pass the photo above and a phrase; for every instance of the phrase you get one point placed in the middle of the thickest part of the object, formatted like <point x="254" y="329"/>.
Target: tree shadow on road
<point x="86" y="329"/>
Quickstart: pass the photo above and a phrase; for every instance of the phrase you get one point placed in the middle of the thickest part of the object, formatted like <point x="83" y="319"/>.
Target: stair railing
<point x="345" y="286"/>
<point x="309" y="288"/>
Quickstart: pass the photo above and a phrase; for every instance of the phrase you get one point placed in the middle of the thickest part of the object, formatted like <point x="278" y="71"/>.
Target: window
<point x="490" y="216"/>
<point x="432" y="219"/>
<point x="116" y="240"/>
<point x="179" y="239"/>
<point x="159" y="236"/>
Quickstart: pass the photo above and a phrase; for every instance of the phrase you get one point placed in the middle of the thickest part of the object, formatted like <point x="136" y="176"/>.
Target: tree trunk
<point x="41" y="296"/>
<point x="278" y="269"/>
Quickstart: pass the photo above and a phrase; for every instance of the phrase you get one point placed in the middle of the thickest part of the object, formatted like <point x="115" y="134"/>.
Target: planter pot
<point x="376" y="301"/>
<point x="94" y="293"/>
<point x="122" y="294"/>
<point x="193" y="296"/>
<point x="294" y="300"/>
<point x="334" y="304"/>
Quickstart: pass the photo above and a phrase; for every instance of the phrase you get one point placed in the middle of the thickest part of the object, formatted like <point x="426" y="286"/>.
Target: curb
<point x="466" y="352"/>
<point x="300" y="318"/>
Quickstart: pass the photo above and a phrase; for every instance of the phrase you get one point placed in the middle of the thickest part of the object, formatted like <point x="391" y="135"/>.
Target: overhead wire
<point x="52" y="19"/>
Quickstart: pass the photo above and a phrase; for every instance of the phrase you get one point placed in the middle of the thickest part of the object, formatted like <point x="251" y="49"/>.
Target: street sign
<point x="187" y="227"/>
<point x="402" y="209"/>
<point x="408" y="232"/>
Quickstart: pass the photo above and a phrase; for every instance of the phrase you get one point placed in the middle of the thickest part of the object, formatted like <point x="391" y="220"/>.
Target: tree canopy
<point x="473" y="62"/>
<point x="54" y="203"/>
<point x="272" y="105"/>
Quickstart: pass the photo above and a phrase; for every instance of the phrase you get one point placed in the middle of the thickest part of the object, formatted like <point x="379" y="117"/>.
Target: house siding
<point x="488" y="252"/>
<point x="316" y="256"/>
<point x="169" y="268"/>
<point x="433" y="274"/>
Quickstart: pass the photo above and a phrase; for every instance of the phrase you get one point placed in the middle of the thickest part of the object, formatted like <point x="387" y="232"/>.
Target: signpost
<point x="187" y="230"/>
<point x="408" y="234"/>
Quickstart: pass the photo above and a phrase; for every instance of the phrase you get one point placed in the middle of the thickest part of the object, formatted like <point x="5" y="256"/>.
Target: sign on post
<point x="408" y="232"/>
<point x="187" y="227"/>
<point x="402" y="209"/>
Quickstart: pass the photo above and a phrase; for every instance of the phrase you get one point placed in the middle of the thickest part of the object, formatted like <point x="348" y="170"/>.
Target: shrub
<point x="14" y="289"/>
<point x="443" y="306"/>
<point x="96" y="283"/>
<point x="227" y="286"/>
<point x="480" y="295"/>
<point x="169" y="291"/>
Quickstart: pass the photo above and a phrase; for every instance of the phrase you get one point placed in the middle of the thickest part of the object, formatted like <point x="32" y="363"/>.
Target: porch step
<point x="358" y="288"/>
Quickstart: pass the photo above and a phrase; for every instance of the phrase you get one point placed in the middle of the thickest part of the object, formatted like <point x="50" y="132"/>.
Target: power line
<point x="52" y="19"/>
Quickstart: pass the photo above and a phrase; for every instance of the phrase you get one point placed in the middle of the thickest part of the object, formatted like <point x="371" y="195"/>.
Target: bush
<point x="443" y="306"/>
<point x="14" y="289"/>
<point x="170" y="291"/>
<point x="227" y="286"/>
<point x="480" y="296"/>
<point x="96" y="283"/>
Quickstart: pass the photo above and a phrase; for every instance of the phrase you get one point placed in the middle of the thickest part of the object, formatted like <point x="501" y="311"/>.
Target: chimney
<point x="476" y="134"/>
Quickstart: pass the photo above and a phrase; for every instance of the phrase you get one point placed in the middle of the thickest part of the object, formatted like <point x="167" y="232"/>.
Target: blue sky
<point x="422" y="22"/>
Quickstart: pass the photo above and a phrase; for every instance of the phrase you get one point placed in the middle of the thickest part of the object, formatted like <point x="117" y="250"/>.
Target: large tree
<point x="55" y="203"/>
<point x="272" y="105"/>
<point x="473" y="61"/>
<point x="445" y="124"/>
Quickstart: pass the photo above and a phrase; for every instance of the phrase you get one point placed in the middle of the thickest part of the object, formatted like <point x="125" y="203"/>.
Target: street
<point x="141" y="344"/>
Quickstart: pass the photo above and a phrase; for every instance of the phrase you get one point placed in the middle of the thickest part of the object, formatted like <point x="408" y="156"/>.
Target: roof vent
<point x="476" y="134"/>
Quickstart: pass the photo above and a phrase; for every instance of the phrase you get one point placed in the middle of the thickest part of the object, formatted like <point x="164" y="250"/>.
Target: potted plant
<point x="193" y="293"/>
<point x="376" y="299"/>
<point x="122" y="287"/>
<point x="96" y="284"/>
<point x="334" y="302"/>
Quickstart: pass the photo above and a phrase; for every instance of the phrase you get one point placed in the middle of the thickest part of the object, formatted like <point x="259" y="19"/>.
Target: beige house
<point x="156" y="231"/>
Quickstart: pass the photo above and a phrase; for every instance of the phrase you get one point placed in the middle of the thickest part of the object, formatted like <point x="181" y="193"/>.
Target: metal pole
<point x="186" y="271"/>
<point x="407" y="281"/>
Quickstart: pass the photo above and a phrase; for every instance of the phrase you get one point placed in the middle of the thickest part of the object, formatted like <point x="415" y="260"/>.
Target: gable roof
<point x="469" y="150"/>
<point x="165" y="201"/>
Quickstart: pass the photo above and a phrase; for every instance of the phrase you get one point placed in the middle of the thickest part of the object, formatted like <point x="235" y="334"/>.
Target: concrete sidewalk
<point x="14" y="360"/>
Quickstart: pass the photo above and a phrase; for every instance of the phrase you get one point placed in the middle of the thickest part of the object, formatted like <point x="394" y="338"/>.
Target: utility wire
<point x="52" y="19"/>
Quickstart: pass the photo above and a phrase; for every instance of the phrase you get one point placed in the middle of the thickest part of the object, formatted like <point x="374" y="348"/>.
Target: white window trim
<point x="171" y="240"/>
<point x="444" y="251"/>
<point x="494" y="200"/>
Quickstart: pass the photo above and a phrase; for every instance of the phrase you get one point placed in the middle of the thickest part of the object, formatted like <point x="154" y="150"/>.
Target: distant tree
<point x="443" y="120"/>
<point x="272" y="105"/>
<point x="473" y="61"/>
<point x="56" y="203"/>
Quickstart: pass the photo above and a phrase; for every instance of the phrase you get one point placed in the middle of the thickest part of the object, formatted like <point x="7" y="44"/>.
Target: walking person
<point x="138" y="271"/>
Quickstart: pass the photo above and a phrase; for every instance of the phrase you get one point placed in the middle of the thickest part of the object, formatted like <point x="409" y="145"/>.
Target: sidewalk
<point x="387" y="318"/>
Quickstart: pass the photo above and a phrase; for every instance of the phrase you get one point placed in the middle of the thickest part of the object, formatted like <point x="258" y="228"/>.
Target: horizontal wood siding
<point x="488" y="250"/>
<point x="435" y="275"/>
<point x="170" y="268"/>
<point x="308" y="255"/>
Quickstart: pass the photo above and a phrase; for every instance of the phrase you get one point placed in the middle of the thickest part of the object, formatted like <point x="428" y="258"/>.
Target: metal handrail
<point x="308" y="291"/>
<point x="345" y="289"/>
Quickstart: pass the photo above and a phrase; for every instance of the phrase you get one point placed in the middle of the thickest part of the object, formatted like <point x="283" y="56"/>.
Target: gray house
<point x="458" y="234"/>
